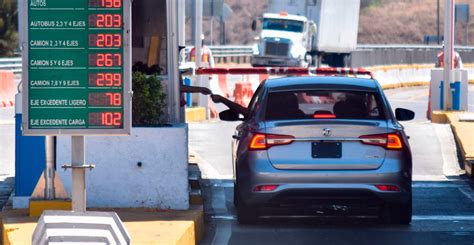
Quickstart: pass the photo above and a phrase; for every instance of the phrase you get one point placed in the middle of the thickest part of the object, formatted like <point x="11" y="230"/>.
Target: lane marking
<point x="443" y="217"/>
<point x="417" y="96"/>
<point x="467" y="192"/>
<point x="437" y="185"/>
<point x="448" y="150"/>
<point x="223" y="234"/>
<point x="430" y="178"/>
<point x="224" y="217"/>
<point x="414" y="217"/>
<point x="414" y="101"/>
<point x="207" y="170"/>
<point x="224" y="184"/>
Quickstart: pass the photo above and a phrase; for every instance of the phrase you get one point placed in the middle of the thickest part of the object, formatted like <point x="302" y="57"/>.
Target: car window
<point x="255" y="102"/>
<point x="323" y="104"/>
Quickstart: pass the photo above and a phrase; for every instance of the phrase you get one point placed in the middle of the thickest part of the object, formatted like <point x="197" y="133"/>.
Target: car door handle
<point x="235" y="137"/>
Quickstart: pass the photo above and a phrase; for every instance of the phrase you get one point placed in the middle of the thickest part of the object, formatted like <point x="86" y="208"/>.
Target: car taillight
<point x="265" y="141"/>
<point x="387" y="187"/>
<point x="263" y="188"/>
<point x="391" y="141"/>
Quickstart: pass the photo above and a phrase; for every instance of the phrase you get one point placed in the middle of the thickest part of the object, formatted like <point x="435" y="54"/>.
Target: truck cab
<point x="284" y="40"/>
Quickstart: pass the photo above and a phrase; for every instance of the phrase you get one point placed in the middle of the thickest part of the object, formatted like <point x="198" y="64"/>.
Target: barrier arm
<point x="323" y="71"/>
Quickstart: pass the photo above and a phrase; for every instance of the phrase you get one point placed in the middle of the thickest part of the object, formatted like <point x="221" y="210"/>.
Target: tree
<point x="8" y="27"/>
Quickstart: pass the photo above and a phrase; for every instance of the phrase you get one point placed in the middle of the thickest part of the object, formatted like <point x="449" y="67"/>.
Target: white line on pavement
<point x="448" y="150"/>
<point x="437" y="185"/>
<point x="207" y="170"/>
<point x="444" y="217"/>
<point x="224" y="217"/>
<point x="467" y="192"/>
<point x="415" y="217"/>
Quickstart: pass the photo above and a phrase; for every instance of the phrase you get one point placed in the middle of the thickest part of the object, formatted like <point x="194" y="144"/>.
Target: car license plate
<point x="327" y="150"/>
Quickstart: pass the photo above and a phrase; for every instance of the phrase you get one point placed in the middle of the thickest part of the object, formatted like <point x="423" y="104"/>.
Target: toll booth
<point x="459" y="90"/>
<point x="149" y="168"/>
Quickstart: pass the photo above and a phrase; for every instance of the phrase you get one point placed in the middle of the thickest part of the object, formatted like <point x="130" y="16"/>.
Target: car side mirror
<point x="254" y="25"/>
<point x="230" y="116"/>
<point x="404" y="114"/>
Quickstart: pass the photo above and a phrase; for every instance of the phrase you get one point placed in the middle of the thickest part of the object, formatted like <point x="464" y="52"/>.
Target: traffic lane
<point x="212" y="142"/>
<point x="433" y="149"/>
<point x="355" y="234"/>
<point x="416" y="99"/>
<point x="443" y="213"/>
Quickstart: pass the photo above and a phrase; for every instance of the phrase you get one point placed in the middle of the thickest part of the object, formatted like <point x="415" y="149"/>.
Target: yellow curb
<point x="38" y="206"/>
<point x="404" y="85"/>
<point x="463" y="135"/>
<point x="439" y="117"/>
<point x="145" y="226"/>
<point x="195" y="114"/>
<point x="399" y="67"/>
<point x="408" y="66"/>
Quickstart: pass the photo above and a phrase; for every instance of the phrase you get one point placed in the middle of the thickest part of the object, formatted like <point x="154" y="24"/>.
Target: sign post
<point x="448" y="53"/>
<point x="76" y="75"/>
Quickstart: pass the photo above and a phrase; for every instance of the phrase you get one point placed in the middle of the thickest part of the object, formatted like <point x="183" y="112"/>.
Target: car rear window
<point x="314" y="104"/>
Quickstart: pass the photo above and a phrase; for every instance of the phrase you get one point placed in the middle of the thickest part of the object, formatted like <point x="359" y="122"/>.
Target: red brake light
<point x="265" y="141"/>
<point x="258" y="142"/>
<point x="283" y="13"/>
<point x="265" y="188"/>
<point x="391" y="141"/>
<point x="387" y="187"/>
<point x="324" y="116"/>
<point x="394" y="141"/>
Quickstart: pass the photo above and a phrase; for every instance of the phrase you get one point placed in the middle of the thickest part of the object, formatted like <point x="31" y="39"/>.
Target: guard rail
<point x="13" y="64"/>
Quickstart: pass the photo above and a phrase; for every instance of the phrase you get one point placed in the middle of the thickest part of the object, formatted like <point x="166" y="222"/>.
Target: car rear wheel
<point x="245" y="214"/>
<point x="399" y="213"/>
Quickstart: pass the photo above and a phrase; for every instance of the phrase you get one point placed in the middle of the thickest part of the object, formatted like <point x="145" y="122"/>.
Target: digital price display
<point x="78" y="67"/>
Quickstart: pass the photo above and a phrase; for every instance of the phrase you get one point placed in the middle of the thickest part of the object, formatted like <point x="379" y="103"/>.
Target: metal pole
<point x="193" y="18"/>
<point x="202" y="81"/>
<point x="211" y="24"/>
<point x="198" y="32"/>
<point x="222" y="31"/>
<point x="20" y="24"/>
<point x="467" y="33"/>
<point x="49" y="192"/>
<point x="448" y="53"/>
<point x="78" y="146"/>
<point x="173" y="76"/>
<point x="437" y="17"/>
<point x="181" y="23"/>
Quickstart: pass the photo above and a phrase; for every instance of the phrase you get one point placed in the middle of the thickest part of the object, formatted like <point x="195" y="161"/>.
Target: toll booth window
<point x="294" y="105"/>
<point x="283" y="25"/>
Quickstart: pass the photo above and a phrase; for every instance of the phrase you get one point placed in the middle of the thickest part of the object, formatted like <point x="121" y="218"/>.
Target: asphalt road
<point x="443" y="198"/>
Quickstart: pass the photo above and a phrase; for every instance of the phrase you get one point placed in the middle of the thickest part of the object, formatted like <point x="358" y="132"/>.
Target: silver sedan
<point x="321" y="143"/>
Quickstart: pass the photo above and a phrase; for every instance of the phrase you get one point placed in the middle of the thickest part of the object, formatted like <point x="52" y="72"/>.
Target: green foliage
<point x="8" y="27"/>
<point x="149" y="100"/>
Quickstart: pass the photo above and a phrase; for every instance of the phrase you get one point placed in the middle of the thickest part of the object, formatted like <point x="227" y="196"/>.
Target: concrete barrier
<point x="7" y="88"/>
<point x="148" y="169"/>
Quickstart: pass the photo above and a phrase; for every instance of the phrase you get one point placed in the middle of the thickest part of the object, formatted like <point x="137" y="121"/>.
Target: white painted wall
<point x="7" y="141"/>
<point x="117" y="181"/>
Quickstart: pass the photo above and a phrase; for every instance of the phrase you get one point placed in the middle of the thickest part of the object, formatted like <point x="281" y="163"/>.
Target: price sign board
<point x="77" y="67"/>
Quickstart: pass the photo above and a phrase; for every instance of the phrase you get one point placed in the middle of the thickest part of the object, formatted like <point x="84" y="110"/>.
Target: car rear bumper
<point x="321" y="186"/>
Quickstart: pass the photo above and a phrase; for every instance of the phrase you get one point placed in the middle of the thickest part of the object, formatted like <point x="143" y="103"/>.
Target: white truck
<point x="302" y="32"/>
